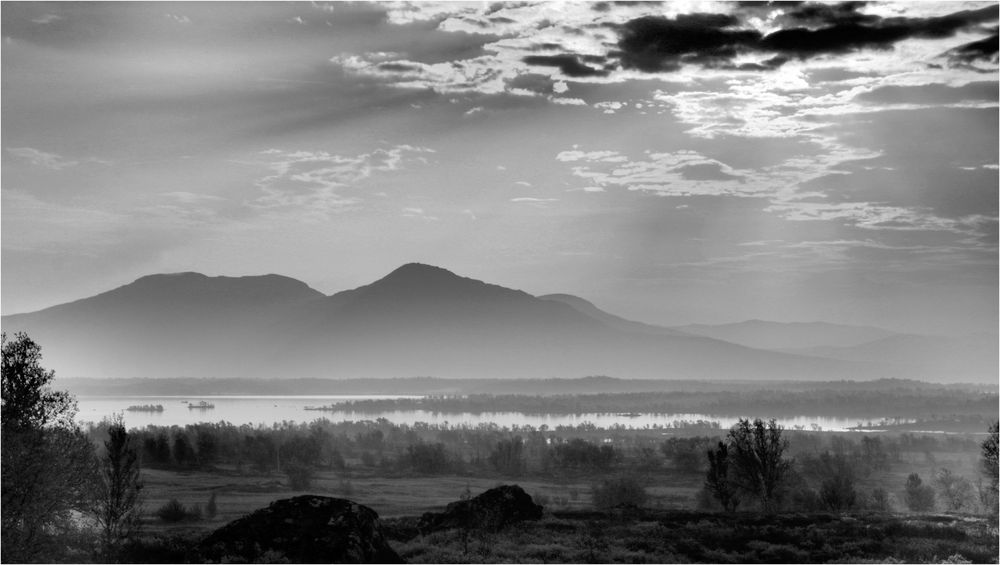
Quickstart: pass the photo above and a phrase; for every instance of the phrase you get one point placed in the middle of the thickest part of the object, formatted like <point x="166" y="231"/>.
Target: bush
<point x="615" y="493"/>
<point x="173" y="511"/>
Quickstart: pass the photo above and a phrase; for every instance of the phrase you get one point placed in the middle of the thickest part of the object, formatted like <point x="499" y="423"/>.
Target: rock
<point x="491" y="510"/>
<point x="303" y="529"/>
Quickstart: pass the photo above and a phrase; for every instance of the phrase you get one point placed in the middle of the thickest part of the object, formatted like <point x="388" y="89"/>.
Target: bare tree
<point x="756" y="452"/>
<point x="118" y="506"/>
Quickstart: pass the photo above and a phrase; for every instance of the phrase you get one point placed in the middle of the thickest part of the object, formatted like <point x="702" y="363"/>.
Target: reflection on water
<point x="268" y="410"/>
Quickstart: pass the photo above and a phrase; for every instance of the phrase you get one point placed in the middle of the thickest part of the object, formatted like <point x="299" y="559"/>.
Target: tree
<point x="956" y="491"/>
<point x="119" y="505"/>
<point x="687" y="454"/>
<point x="990" y="466"/>
<point x="879" y="500"/>
<point x="47" y="461"/>
<point x="183" y="452"/>
<point x="756" y="453"/>
<point x="719" y="480"/>
<point x="919" y="497"/>
<point x="837" y="491"/>
<point x="28" y="402"/>
<point x="508" y="457"/>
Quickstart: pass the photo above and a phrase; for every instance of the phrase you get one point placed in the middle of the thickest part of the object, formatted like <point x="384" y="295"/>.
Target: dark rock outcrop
<point x="491" y="510"/>
<point x="303" y="529"/>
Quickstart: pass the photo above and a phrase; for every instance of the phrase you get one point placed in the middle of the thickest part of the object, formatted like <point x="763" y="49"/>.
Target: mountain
<point x="788" y="336"/>
<point x="960" y="359"/>
<point x="418" y="320"/>
<point x="167" y="325"/>
<point x="619" y="323"/>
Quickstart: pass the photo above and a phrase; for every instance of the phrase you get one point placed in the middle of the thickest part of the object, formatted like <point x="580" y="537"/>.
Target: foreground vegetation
<point x="700" y="537"/>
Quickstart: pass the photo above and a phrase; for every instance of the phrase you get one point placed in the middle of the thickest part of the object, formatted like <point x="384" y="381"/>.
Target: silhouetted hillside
<point x="417" y="320"/>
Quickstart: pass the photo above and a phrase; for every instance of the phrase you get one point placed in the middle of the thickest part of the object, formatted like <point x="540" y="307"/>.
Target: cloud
<point x="591" y="156"/>
<point x="531" y="199"/>
<point x="981" y="50"/>
<point x="851" y="31"/>
<point x="190" y="197"/>
<point x="658" y="44"/>
<point x="318" y="183"/>
<point x="570" y="65"/>
<point x="418" y="213"/>
<point x="50" y="160"/>
<point x="932" y="93"/>
<point x="46" y="19"/>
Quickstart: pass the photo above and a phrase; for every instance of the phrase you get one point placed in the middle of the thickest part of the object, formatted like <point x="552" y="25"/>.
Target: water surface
<point x="269" y="410"/>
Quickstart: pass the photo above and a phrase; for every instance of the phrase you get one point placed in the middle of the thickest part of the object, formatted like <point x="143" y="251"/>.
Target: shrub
<point x="172" y="511"/>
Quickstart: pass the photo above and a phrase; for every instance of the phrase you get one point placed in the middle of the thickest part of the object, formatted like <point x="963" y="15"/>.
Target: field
<point x="572" y="531"/>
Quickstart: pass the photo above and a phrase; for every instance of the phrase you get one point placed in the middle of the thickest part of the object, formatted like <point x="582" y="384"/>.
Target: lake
<point x="268" y="410"/>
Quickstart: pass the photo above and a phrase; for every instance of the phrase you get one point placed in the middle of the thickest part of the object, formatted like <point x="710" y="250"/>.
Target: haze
<point x="744" y="173"/>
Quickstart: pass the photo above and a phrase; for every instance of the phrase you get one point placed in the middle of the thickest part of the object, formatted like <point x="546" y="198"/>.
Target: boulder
<point x="491" y="510"/>
<point x="303" y="529"/>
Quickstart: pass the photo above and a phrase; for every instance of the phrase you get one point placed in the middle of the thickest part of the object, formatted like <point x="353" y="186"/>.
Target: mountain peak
<point x="422" y="279"/>
<point x="420" y="271"/>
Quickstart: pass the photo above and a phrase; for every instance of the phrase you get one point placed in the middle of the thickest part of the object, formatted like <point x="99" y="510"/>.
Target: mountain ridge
<point x="417" y="320"/>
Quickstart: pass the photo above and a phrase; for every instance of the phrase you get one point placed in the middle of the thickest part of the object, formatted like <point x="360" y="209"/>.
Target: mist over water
<point x="269" y="410"/>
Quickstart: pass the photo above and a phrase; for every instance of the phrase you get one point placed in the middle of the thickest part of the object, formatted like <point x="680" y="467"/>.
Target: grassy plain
<point x="667" y="530"/>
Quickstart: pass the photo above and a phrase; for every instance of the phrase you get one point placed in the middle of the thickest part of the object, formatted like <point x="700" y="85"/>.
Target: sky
<point x="671" y="162"/>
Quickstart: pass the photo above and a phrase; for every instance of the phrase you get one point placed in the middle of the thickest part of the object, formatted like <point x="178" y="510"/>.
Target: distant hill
<point x="961" y="359"/>
<point x="762" y="334"/>
<point x="619" y="323"/>
<point x="418" y="320"/>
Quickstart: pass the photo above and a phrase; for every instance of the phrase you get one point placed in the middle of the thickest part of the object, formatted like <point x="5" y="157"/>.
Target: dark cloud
<point x="533" y="82"/>
<point x="982" y="50"/>
<point x="851" y="31"/>
<point x="653" y="43"/>
<point x="658" y="44"/>
<point x="751" y="4"/>
<point x="570" y="65"/>
<point x="805" y="43"/>
<point x="768" y="65"/>
<point x="830" y="14"/>
<point x="397" y="67"/>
